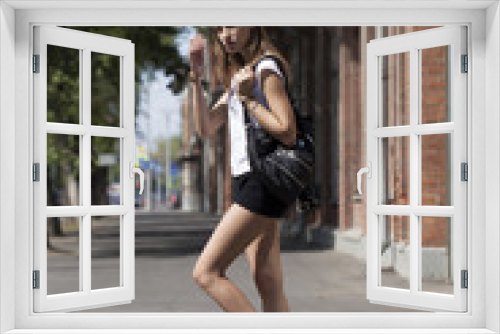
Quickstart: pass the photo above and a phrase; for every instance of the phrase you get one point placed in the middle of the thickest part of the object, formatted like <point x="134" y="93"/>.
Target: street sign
<point x="174" y="169"/>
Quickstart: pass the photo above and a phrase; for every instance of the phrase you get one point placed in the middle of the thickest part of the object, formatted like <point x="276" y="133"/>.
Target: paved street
<point x="167" y="246"/>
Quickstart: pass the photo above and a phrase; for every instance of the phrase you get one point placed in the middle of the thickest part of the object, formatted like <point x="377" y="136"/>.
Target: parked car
<point x="114" y="193"/>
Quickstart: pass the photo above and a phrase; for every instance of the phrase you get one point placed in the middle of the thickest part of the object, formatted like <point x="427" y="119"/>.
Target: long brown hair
<point x="227" y="64"/>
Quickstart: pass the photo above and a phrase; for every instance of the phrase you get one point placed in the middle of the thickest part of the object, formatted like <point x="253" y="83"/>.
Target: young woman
<point x="251" y="222"/>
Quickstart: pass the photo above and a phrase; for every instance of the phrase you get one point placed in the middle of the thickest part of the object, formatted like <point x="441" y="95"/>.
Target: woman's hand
<point x="196" y="54"/>
<point x="245" y="81"/>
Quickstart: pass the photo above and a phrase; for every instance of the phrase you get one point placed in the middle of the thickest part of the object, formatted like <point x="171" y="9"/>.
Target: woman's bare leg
<point x="264" y="258"/>
<point x="234" y="233"/>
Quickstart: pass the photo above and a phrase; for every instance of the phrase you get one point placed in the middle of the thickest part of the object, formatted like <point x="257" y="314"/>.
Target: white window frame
<point x="483" y="20"/>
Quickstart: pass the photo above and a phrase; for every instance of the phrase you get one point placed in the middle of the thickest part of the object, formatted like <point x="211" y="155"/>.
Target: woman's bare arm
<point x="208" y="121"/>
<point x="280" y="122"/>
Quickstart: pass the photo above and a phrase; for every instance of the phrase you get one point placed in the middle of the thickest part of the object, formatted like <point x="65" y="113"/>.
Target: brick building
<point x="329" y="68"/>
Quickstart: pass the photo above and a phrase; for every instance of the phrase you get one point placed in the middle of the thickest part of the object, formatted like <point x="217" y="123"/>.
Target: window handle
<point x="134" y="170"/>
<point x="364" y="170"/>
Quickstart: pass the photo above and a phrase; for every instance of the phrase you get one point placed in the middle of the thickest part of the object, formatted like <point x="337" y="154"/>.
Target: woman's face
<point x="234" y="39"/>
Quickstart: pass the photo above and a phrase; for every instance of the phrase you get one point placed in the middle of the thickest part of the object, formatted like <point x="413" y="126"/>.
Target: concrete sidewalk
<point x="316" y="279"/>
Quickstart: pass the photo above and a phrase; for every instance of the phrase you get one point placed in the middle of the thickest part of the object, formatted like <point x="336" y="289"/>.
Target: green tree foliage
<point x="154" y="47"/>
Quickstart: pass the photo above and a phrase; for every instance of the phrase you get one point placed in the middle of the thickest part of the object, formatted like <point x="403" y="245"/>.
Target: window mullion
<point x="414" y="169"/>
<point x="85" y="176"/>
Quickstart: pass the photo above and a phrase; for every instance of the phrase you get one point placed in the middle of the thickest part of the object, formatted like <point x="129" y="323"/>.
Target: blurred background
<point x="187" y="179"/>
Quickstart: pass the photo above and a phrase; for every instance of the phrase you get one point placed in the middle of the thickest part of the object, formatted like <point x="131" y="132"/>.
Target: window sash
<point x="413" y="44"/>
<point x="85" y="44"/>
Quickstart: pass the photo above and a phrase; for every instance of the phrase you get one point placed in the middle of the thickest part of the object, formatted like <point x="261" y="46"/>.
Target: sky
<point x="165" y="108"/>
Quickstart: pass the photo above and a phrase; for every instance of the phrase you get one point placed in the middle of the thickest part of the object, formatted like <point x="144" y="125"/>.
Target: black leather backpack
<point x="287" y="172"/>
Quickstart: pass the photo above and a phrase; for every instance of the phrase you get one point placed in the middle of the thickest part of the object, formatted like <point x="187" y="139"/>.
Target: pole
<point x="158" y="200"/>
<point x="150" y="174"/>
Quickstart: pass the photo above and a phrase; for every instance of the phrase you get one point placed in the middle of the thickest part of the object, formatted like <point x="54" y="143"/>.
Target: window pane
<point x="63" y="261"/>
<point x="437" y="169"/>
<point x="395" y="251"/>
<point x="395" y="89"/>
<point x="105" y="78"/>
<point x="63" y="169"/>
<point x="395" y="171"/>
<point x="436" y="107"/>
<point x="63" y="85"/>
<point x="106" y="185"/>
<point x="436" y="256"/>
<point x="105" y="238"/>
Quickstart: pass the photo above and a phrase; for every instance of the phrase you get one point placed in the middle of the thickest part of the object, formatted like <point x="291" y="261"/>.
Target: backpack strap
<point x="280" y="67"/>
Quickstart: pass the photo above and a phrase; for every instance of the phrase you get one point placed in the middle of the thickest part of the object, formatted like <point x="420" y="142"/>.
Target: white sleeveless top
<point x="240" y="163"/>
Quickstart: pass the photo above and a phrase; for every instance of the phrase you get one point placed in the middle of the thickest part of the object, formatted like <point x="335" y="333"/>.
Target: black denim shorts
<point x="249" y="192"/>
